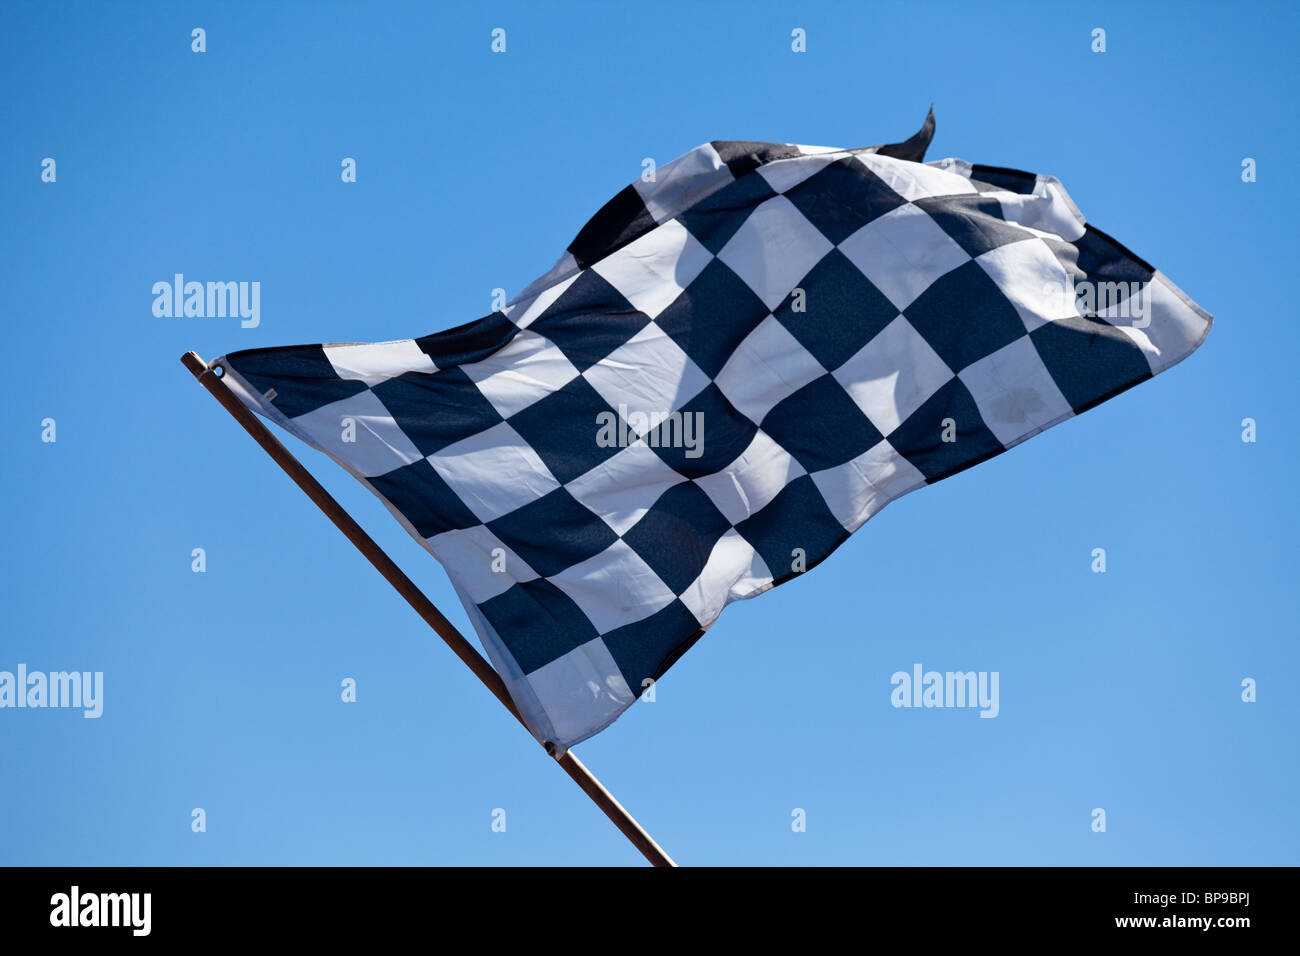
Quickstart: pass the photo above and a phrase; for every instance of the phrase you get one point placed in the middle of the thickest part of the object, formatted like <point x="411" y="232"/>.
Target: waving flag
<point x="728" y="372"/>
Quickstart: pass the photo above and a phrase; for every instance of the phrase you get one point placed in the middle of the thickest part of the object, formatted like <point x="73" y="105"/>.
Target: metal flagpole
<point x="416" y="598"/>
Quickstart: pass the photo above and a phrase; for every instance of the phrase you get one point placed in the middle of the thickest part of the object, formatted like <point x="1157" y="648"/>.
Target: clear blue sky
<point x="1118" y="690"/>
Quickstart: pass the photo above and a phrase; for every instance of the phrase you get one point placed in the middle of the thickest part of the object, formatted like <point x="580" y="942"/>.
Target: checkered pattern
<point x="850" y="325"/>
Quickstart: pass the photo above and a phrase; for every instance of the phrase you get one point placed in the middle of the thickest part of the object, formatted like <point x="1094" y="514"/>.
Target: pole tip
<point x="195" y="364"/>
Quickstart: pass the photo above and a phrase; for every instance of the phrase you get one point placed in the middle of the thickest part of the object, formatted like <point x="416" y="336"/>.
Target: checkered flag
<point x="729" y="371"/>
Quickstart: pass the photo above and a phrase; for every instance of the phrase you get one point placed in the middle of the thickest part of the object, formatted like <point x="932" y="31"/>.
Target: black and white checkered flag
<point x="730" y="370"/>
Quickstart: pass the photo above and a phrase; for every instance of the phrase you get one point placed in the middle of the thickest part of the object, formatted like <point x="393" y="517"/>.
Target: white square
<point x="774" y="249"/>
<point x="818" y="150"/>
<point x="525" y="311"/>
<point x="623" y="488"/>
<point x="1049" y="209"/>
<point x="648" y="373"/>
<point x="494" y="472"/>
<point x="752" y="480"/>
<point x="768" y="366"/>
<point x="1015" y="393"/>
<point x="915" y="180"/>
<point x="858" y="489"/>
<point x="892" y="375"/>
<point x="1033" y="280"/>
<point x="528" y="368"/>
<point x="652" y="271"/>
<point x="379" y="362"/>
<point x="734" y="571"/>
<point x="581" y="690"/>
<point x="1175" y="325"/>
<point x="472" y="557"/>
<point x="683" y="182"/>
<point x="378" y="445"/>
<point x="785" y="174"/>
<point x="902" y="253"/>
<point x="614" y="587"/>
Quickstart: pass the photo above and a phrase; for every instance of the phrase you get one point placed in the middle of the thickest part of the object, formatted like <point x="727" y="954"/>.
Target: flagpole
<point x="385" y="565"/>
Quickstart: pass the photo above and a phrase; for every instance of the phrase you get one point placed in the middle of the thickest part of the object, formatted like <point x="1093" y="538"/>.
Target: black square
<point x="821" y="426"/>
<point x="616" y="224"/>
<point x="1104" y="258"/>
<point x="303" y="378"/>
<point x="842" y="311"/>
<point x="999" y="177"/>
<point x="589" y="320"/>
<point x="1089" y="359"/>
<point x="676" y="536"/>
<point x="921" y="438"/>
<point x="744" y="156"/>
<point x="964" y="316"/>
<point x="538" y="623"/>
<point x="975" y="223"/>
<point x="435" y="410"/>
<point x="471" y="342"/>
<point x="715" y="219"/>
<point x="726" y="433"/>
<point x="712" y="316"/>
<point x="797" y="518"/>
<point x="553" y="533"/>
<point x="646" y="649"/>
<point x="563" y="429"/>
<point x="842" y="198"/>
<point x="424" y="499"/>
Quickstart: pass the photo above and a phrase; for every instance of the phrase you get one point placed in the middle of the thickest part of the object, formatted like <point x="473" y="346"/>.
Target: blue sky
<point x="221" y="690"/>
